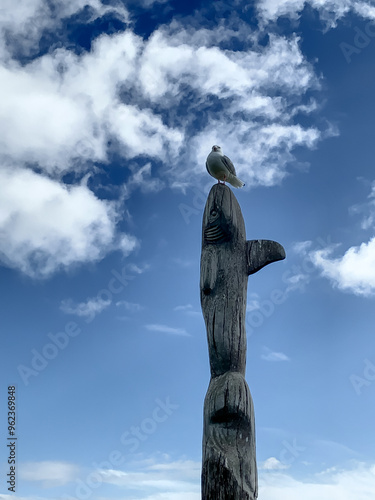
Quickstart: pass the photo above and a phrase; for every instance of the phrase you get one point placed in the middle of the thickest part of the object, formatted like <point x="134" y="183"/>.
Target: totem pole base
<point x="229" y="470"/>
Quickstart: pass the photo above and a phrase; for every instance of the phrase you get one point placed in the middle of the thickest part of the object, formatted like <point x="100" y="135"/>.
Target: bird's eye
<point x="213" y="213"/>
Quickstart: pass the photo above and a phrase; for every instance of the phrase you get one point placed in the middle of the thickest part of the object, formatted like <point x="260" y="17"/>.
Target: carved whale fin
<point x="260" y="253"/>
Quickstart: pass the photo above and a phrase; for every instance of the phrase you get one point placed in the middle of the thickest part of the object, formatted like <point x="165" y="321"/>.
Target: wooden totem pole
<point x="229" y="470"/>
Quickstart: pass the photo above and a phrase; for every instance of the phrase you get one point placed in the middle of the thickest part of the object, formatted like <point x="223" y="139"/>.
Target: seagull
<point x="221" y="167"/>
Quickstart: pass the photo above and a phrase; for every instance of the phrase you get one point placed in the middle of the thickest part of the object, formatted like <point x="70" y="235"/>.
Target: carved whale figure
<point x="227" y="260"/>
<point x="229" y="469"/>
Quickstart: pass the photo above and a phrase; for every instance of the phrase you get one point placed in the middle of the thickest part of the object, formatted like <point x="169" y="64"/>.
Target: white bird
<point x="221" y="167"/>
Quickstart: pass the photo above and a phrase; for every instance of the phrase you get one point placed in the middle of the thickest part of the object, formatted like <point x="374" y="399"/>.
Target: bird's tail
<point x="235" y="181"/>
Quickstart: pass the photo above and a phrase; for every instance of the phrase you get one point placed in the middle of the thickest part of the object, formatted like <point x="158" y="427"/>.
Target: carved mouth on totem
<point x="215" y="234"/>
<point x="230" y="418"/>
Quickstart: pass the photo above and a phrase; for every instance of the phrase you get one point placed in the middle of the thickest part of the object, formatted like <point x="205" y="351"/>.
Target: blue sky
<point x="108" y="112"/>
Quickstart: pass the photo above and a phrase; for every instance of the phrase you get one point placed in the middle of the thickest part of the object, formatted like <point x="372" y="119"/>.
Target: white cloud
<point x="59" y="113"/>
<point x="175" y="495"/>
<point x="262" y="140"/>
<point x="183" y="262"/>
<point x="41" y="123"/>
<point x="167" y="475"/>
<point x="273" y="463"/>
<point x="88" y="309"/>
<point x="185" y="308"/>
<point x="302" y="247"/>
<point x="153" y="479"/>
<point x="129" y="306"/>
<point x="167" y="329"/>
<point x="62" y="107"/>
<point x="328" y="447"/>
<point x="49" y="473"/>
<point x="25" y="20"/>
<point x="274" y="356"/>
<point x="142" y="179"/>
<point x="367" y="210"/>
<point x="149" y="3"/>
<point x="46" y="226"/>
<point x="66" y="107"/>
<point x="253" y="302"/>
<point x="365" y="9"/>
<point x="138" y="269"/>
<point x="296" y="281"/>
<point x="184" y="468"/>
<point x="62" y="111"/>
<point x="352" y="272"/>
<point x="330" y="10"/>
<point x="357" y="482"/>
<point x="125" y="243"/>
<point x="140" y="131"/>
<point x="298" y="277"/>
<point x="16" y="497"/>
<point x="180" y="480"/>
<point x="169" y="62"/>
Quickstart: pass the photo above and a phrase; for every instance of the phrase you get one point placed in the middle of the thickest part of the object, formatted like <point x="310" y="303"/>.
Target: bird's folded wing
<point x="228" y="163"/>
<point x="208" y="170"/>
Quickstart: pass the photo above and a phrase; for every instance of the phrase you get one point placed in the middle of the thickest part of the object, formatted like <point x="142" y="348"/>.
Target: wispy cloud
<point x="167" y="329"/>
<point x="25" y="21"/>
<point x="269" y="355"/>
<point x="330" y="10"/>
<point x="143" y="180"/>
<point x="180" y="480"/>
<point x="164" y="475"/>
<point x="328" y="446"/>
<point x="49" y="473"/>
<point x="138" y="269"/>
<point x="17" y="497"/>
<point x="88" y="309"/>
<point x="187" y="309"/>
<point x="337" y="484"/>
<point x="367" y="210"/>
<point x="131" y="307"/>
<point x="297" y="281"/>
<point x="253" y="302"/>
<point x="156" y="480"/>
<point x="183" y="263"/>
<point x="149" y="3"/>
<point x="273" y="463"/>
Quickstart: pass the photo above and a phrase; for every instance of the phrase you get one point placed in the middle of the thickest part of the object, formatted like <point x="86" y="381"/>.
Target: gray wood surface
<point x="229" y="470"/>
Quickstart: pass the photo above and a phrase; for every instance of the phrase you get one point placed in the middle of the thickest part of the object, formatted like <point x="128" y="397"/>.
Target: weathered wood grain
<point x="229" y="470"/>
